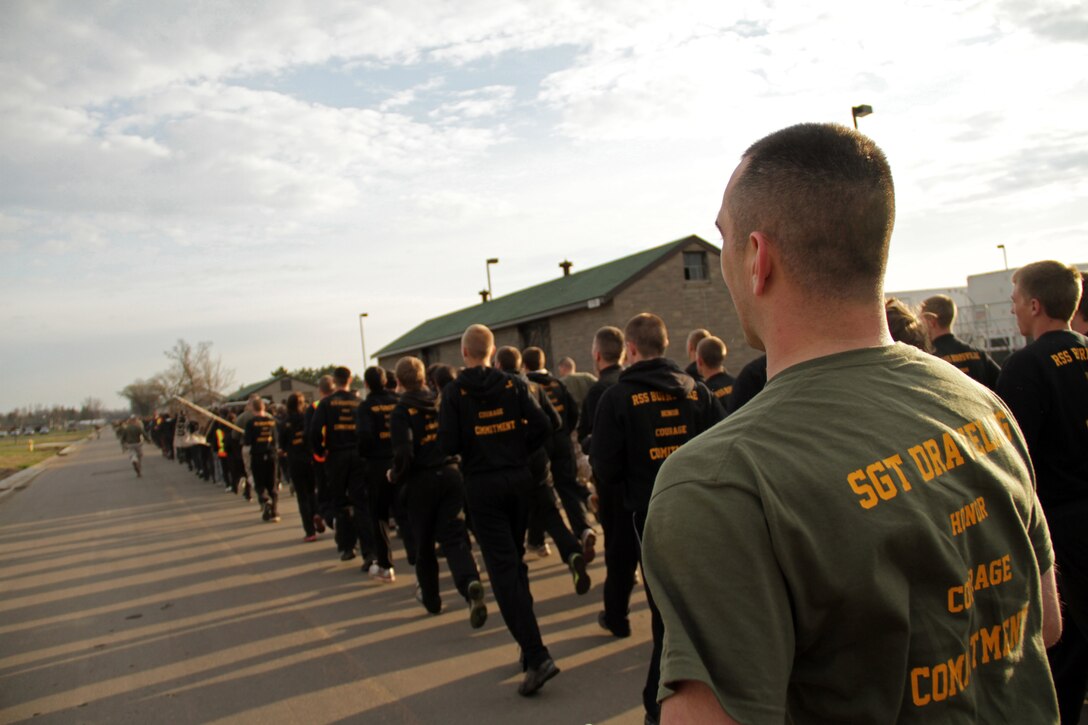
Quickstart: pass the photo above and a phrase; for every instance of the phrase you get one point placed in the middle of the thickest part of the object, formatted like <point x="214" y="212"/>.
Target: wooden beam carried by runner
<point x="208" y="413"/>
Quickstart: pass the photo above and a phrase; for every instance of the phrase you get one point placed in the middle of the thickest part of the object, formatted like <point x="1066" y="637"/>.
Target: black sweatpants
<point x="497" y="501"/>
<point x="435" y="499"/>
<point x="621" y="555"/>
<point x="263" y="467"/>
<point x="346" y="487"/>
<point x="302" y="473"/>
<point x="379" y="492"/>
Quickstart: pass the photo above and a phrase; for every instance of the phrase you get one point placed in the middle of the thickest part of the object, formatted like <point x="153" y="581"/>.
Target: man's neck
<point x="1042" y="325"/>
<point x="790" y="340"/>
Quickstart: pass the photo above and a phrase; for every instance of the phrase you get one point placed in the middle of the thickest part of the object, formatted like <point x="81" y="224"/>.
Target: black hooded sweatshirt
<point x="490" y="419"/>
<point x="414" y="428"/>
<point x="653" y="409"/>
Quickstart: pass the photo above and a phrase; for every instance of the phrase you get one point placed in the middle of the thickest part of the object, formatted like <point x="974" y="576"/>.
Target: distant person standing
<point x="262" y="437"/>
<point x="578" y="384"/>
<point x="938" y="315"/>
<point x="1046" y="386"/>
<point x="488" y="418"/>
<point x="694" y="338"/>
<point x="710" y="360"/>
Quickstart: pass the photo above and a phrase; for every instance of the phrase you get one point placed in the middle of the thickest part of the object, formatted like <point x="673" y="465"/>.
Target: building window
<point x="695" y="266"/>
<point x="285" y="384"/>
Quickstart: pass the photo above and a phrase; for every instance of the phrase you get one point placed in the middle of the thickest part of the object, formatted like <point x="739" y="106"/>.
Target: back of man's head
<point x="694" y="338"/>
<point x="646" y="331"/>
<point x="567" y="366"/>
<point x="824" y="194"/>
<point x="533" y="358"/>
<point x="410" y="373"/>
<point x="341" y="376"/>
<point x="1057" y="286"/>
<point x="325" y="385"/>
<point x="374" y="377"/>
<point x="608" y="342"/>
<point x="477" y="343"/>
<point x="508" y="359"/>
<point x="711" y="352"/>
<point x="942" y="308"/>
<point x="1080" y="320"/>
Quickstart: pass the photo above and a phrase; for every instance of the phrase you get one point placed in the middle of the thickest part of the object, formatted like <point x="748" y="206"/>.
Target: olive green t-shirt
<point x="861" y="543"/>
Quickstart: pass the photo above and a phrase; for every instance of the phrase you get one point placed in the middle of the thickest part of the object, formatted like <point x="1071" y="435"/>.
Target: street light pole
<point x="362" y="338"/>
<point x="493" y="260"/>
<point x="860" y="112"/>
<point x="1004" y="255"/>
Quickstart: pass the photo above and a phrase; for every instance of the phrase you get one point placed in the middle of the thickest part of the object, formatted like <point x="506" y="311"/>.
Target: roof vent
<point x="566" y="264"/>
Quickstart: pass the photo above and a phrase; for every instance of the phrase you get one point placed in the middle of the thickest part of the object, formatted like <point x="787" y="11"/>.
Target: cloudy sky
<point x="257" y="174"/>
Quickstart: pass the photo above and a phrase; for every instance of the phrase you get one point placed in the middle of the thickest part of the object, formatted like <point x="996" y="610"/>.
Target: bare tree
<point x="143" y="396"/>
<point x="194" y="374"/>
<point x="91" y="408"/>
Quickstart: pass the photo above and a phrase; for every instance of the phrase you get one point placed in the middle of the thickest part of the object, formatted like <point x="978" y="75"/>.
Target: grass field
<point x="15" y="456"/>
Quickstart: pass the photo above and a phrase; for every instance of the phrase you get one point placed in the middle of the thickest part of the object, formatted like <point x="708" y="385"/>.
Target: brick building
<point x="679" y="281"/>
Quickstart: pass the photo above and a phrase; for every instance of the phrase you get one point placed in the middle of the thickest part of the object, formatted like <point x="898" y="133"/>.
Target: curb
<point x="22" y="480"/>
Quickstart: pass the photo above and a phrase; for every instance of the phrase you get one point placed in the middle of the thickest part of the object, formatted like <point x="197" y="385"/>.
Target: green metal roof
<point x="244" y="392"/>
<point x="600" y="282"/>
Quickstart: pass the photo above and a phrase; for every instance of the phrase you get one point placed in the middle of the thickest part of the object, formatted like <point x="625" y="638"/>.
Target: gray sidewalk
<point x="163" y="599"/>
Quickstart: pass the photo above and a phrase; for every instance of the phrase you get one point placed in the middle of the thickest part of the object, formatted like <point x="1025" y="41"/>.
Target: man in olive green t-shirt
<point x="862" y="542"/>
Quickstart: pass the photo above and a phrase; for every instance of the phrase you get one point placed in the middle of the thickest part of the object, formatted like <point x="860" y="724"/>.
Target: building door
<point x="537" y="333"/>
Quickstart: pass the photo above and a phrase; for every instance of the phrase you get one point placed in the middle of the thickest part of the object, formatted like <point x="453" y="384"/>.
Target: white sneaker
<point x="385" y="576"/>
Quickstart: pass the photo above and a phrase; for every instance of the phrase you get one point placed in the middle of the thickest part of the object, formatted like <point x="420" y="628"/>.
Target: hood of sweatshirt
<point x="423" y="399"/>
<point x="483" y="382"/>
<point x="659" y="373"/>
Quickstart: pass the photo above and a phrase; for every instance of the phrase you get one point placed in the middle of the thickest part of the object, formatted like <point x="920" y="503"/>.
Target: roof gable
<point x="542" y="300"/>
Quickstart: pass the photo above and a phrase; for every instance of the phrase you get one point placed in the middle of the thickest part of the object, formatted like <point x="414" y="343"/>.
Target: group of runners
<point x="771" y="587"/>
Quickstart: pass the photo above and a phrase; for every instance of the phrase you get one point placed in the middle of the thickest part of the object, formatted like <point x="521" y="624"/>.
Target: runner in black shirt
<point x="488" y="417"/>
<point x="300" y="462"/>
<point x="334" y="435"/>
<point x="434" y="493"/>
<point x="377" y="450"/>
<point x="710" y="357"/>
<point x="1046" y="386"/>
<point x="938" y="314"/>
<point x="263" y="441"/>
<point x="650" y="412"/>
<point x="749" y="382"/>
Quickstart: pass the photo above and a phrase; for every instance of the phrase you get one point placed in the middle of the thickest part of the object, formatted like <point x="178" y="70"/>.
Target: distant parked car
<point x="44" y="430"/>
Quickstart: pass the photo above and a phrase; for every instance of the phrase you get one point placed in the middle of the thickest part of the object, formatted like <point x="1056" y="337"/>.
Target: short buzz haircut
<point x="609" y="343"/>
<point x="696" y="336"/>
<point x="508" y="359"/>
<point x="823" y="193"/>
<point x="711" y="352"/>
<point x="1056" y="286"/>
<point x="942" y="308"/>
<point x="325" y="384"/>
<point x="410" y="372"/>
<point x="478" y="342"/>
<point x="374" y="377"/>
<point x="341" y="376"/>
<point x="646" y="331"/>
<point x="568" y="363"/>
<point x="534" y="358"/>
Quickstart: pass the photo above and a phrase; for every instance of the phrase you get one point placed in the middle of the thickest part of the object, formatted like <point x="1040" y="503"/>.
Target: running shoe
<point x="319" y="524"/>
<point x="589" y="543"/>
<point x="535" y="677"/>
<point x="477" y="609"/>
<point x="311" y="537"/>
<point x="578" y="572"/>
<point x="266" y="514"/>
<point x="383" y="575"/>
<point x="540" y="551"/>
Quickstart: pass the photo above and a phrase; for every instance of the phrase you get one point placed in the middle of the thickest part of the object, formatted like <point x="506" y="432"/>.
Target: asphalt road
<point x="163" y="599"/>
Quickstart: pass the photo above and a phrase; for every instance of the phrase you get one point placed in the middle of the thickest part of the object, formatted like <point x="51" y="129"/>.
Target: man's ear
<point x="760" y="261"/>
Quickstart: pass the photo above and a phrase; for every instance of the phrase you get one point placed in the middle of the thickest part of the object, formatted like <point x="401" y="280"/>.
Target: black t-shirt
<point x="721" y="385"/>
<point x="1046" y="386"/>
<point x="261" y="435"/>
<point x="751" y="379"/>
<point x="971" y="361"/>
<point x="606" y="379"/>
